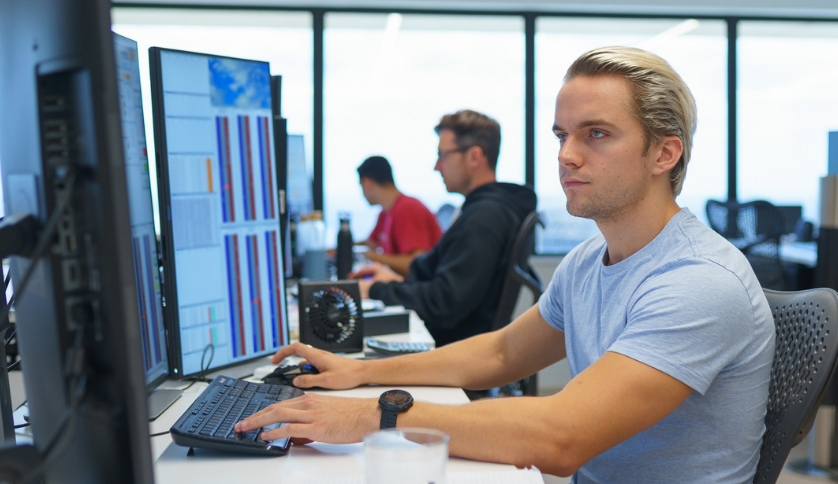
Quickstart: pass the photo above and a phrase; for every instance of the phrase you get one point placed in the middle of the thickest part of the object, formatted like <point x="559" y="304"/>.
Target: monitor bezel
<point x="170" y="308"/>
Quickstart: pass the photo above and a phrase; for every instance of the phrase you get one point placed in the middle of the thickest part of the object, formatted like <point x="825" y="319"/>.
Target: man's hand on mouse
<point x="336" y="372"/>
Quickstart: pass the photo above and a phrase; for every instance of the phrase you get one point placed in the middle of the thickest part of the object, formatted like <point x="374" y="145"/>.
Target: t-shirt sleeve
<point x="550" y="302"/>
<point x="690" y="322"/>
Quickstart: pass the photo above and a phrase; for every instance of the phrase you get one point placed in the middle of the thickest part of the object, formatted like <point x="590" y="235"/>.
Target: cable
<point x="159" y="434"/>
<point x="41" y="246"/>
<point x="187" y="387"/>
<point x="13" y="365"/>
<point x="77" y="381"/>
<point x="62" y="436"/>
<point x="10" y="337"/>
<point x="204" y="369"/>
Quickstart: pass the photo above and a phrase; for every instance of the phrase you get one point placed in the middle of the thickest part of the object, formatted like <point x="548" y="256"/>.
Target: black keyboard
<point x="210" y="420"/>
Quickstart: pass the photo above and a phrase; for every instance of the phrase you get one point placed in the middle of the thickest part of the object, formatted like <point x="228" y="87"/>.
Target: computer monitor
<point x="219" y="212"/>
<point x="300" y="199"/>
<point x="143" y="236"/>
<point x="76" y="306"/>
<point x="791" y="215"/>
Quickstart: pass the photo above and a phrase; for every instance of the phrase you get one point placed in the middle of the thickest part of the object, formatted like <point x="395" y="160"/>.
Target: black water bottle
<point x="344" y="251"/>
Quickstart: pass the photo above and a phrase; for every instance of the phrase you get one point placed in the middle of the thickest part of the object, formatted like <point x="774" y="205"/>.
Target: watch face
<point x="396" y="398"/>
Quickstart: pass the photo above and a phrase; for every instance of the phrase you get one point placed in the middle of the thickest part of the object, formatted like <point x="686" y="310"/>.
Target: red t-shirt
<point x="406" y="227"/>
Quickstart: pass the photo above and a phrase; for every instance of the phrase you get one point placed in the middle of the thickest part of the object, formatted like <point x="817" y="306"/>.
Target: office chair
<point x="519" y="275"/>
<point x="804" y="363"/>
<point x="754" y="228"/>
<point x="445" y="215"/>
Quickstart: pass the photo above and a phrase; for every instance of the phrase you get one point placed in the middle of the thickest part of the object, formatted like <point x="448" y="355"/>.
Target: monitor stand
<point x="160" y="400"/>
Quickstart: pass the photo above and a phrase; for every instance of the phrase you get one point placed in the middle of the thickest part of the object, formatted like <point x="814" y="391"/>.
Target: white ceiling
<point x="771" y="8"/>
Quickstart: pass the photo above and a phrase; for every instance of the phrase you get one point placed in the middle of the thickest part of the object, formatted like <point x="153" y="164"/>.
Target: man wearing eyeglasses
<point x="666" y="330"/>
<point x="455" y="286"/>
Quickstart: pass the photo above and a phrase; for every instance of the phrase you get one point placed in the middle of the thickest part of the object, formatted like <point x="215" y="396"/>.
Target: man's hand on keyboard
<point x="313" y="417"/>
<point x="336" y="372"/>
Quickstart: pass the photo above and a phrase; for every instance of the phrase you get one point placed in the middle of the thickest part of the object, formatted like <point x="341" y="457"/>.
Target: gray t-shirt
<point x="689" y="305"/>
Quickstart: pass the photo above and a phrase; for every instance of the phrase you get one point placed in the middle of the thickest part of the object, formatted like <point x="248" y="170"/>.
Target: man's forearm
<point x="521" y="431"/>
<point x="400" y="263"/>
<point x="483" y="361"/>
<point x="473" y="363"/>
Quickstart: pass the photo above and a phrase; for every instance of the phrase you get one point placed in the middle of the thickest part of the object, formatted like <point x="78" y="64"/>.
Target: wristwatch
<point x="392" y="403"/>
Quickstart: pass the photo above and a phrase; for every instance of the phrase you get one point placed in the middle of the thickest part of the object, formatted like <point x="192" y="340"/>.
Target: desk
<point x="172" y="465"/>
<point x="803" y="253"/>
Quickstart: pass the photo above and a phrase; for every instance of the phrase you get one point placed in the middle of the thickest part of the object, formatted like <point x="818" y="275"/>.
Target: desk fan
<point x="330" y="316"/>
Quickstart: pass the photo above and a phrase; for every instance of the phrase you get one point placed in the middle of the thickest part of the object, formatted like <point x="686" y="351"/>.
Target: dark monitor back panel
<point x="219" y="210"/>
<point x="791" y="214"/>
<point x="61" y="139"/>
<point x="300" y="198"/>
<point x="143" y="236"/>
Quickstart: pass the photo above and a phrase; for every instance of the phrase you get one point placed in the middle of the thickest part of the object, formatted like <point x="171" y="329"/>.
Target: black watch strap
<point x="388" y="419"/>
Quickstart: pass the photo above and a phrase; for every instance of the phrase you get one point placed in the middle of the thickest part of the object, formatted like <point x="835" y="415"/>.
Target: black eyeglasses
<point x="441" y="154"/>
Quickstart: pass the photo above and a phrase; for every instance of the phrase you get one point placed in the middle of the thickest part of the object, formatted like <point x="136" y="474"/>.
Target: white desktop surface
<point x="172" y="465"/>
<point x="803" y="253"/>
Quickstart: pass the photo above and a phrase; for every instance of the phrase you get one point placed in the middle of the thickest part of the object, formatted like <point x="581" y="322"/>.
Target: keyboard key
<point x="209" y="422"/>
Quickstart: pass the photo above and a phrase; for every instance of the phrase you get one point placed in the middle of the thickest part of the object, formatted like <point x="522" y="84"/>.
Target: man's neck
<point x="629" y="232"/>
<point x="389" y="195"/>
<point x="478" y="182"/>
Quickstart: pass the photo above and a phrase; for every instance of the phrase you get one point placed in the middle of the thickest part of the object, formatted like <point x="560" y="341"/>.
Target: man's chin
<point x="580" y="212"/>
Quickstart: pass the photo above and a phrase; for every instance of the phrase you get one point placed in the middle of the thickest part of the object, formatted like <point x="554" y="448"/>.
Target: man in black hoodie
<point x="455" y="287"/>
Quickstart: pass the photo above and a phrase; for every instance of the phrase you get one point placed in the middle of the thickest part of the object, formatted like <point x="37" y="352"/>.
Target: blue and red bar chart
<point x="254" y="292"/>
<point x="256" y="168"/>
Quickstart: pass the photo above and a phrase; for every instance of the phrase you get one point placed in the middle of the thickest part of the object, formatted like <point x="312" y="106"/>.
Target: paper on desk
<point x="517" y="476"/>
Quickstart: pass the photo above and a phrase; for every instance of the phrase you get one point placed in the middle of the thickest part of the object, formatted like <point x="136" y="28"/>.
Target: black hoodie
<point x="455" y="287"/>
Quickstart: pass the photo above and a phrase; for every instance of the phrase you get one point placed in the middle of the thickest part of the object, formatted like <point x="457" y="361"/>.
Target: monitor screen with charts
<point x="222" y="253"/>
<point x="143" y="237"/>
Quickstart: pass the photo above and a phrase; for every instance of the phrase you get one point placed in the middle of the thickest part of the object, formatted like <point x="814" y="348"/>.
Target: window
<point x="787" y="105"/>
<point x="390" y="78"/>
<point x="697" y="51"/>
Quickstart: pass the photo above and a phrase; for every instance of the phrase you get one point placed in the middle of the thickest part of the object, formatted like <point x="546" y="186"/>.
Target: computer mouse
<point x="284" y="375"/>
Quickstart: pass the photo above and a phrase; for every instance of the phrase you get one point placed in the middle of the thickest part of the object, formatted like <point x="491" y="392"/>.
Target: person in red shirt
<point x="405" y="228"/>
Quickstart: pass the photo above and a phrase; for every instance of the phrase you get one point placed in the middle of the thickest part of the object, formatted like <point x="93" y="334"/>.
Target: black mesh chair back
<point x="804" y="363"/>
<point x="518" y="271"/>
<point x="445" y="215"/>
<point x="519" y="275"/>
<point x="755" y="228"/>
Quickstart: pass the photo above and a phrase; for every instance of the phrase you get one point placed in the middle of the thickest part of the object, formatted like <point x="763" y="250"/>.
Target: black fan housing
<point x="330" y="315"/>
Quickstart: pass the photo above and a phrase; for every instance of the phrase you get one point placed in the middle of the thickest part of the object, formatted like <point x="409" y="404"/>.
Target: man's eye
<point x="597" y="133"/>
<point x="561" y="137"/>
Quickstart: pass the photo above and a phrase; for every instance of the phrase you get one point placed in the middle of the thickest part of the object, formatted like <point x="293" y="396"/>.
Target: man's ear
<point x="476" y="158"/>
<point x="671" y="148"/>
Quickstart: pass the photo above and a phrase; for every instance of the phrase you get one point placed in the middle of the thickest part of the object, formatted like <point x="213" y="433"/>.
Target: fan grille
<point x="332" y="314"/>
